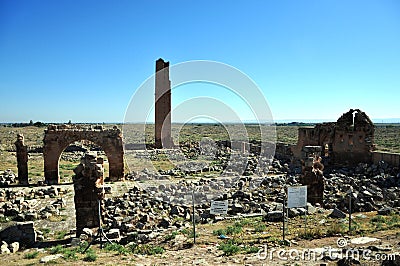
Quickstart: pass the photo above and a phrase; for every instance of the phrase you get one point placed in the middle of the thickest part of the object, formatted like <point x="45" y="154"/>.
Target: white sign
<point x="219" y="207"/>
<point x="297" y="197"/>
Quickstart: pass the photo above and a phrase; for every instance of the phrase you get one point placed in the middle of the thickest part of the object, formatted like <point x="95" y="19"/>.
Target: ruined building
<point x="347" y="141"/>
<point x="163" y="137"/>
<point x="59" y="137"/>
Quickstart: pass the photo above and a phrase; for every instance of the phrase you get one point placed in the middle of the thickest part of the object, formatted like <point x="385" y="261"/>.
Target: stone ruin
<point x="89" y="191"/>
<point x="162" y="100"/>
<point x="22" y="160"/>
<point x="22" y="233"/>
<point x="312" y="174"/>
<point x="348" y="141"/>
<point x="58" y="137"/>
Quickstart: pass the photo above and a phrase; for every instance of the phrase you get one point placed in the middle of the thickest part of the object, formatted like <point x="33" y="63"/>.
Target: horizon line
<point x="277" y="121"/>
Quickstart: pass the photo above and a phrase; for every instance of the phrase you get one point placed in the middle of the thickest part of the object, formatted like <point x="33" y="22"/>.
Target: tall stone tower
<point x="163" y="137"/>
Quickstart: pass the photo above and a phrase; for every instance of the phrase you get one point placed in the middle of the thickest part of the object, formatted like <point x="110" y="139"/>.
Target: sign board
<point x="219" y="207"/>
<point x="297" y="197"/>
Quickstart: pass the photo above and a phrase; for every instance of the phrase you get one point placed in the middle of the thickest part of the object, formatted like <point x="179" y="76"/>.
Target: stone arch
<point x="58" y="138"/>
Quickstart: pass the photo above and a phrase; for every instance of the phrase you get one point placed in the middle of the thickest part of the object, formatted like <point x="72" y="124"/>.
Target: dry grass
<point x="386" y="138"/>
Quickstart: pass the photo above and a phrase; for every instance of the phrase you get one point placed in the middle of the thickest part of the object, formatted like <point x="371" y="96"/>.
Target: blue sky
<point x="83" y="60"/>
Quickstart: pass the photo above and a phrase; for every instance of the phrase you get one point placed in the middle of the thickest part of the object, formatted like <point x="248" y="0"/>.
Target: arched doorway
<point x="58" y="138"/>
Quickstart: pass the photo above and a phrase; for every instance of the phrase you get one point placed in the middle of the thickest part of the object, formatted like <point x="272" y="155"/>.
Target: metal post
<point x="350" y="192"/>
<point x="283" y="214"/>
<point x="194" y="222"/>
<point x="305" y="221"/>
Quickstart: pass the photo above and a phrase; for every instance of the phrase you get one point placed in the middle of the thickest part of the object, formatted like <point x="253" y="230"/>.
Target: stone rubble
<point x="25" y="206"/>
<point x="168" y="205"/>
<point x="50" y="258"/>
<point x="7" y="178"/>
<point x="162" y="204"/>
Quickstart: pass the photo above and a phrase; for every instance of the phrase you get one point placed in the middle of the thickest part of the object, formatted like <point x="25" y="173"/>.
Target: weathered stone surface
<point x="273" y="216"/>
<point x="75" y="241"/>
<point x="312" y="174"/>
<point x="237" y="208"/>
<point x="88" y="182"/>
<point x="4" y="248"/>
<point x="347" y="141"/>
<point x="6" y="178"/>
<point x="164" y="223"/>
<point x="336" y="213"/>
<point x="22" y="232"/>
<point x="13" y="247"/>
<point x="87" y="231"/>
<point x="22" y="160"/>
<point x="162" y="101"/>
<point x="385" y="211"/>
<point x="57" y="138"/>
<point x="50" y="258"/>
<point x="113" y="233"/>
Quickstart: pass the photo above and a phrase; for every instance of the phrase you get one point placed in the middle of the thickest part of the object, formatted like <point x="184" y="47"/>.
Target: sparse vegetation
<point x="147" y="249"/>
<point x="171" y="236"/>
<point x="120" y="249"/>
<point x="335" y="229"/>
<point x="57" y="249"/>
<point x="311" y="233"/>
<point x="380" y="222"/>
<point x="90" y="255"/>
<point x="60" y="234"/>
<point x="144" y="249"/>
<point x="229" y="248"/>
<point x="188" y="232"/>
<point x="31" y="255"/>
<point x="250" y="249"/>
<point x="70" y="254"/>
<point x="58" y="218"/>
<point x="5" y="219"/>
<point x="235" y="229"/>
<point x="260" y="228"/>
<point x="45" y="231"/>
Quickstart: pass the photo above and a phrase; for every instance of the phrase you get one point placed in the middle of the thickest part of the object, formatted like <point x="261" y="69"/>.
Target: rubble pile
<point x="372" y="187"/>
<point x="28" y="206"/>
<point x="7" y="177"/>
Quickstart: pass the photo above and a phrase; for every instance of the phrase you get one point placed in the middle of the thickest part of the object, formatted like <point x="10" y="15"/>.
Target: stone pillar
<point x="88" y="184"/>
<point x="22" y="160"/>
<point x="312" y="174"/>
<point x="163" y="137"/>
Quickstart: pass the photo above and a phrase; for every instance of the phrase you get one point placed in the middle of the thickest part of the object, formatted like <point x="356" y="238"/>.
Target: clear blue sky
<point x="83" y="60"/>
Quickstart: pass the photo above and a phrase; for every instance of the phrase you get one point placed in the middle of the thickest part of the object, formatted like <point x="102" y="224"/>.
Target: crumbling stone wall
<point x="312" y="174"/>
<point x="22" y="232"/>
<point x="88" y="186"/>
<point x="57" y="138"/>
<point x="22" y="160"/>
<point x="389" y="157"/>
<point x="163" y="137"/>
<point x="347" y="141"/>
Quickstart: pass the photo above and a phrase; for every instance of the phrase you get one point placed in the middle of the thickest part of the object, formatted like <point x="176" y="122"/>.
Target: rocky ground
<point x="154" y="209"/>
